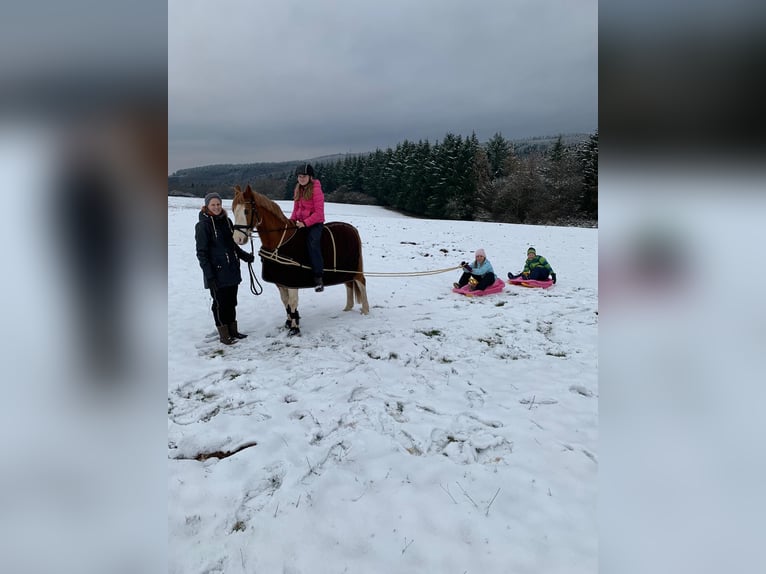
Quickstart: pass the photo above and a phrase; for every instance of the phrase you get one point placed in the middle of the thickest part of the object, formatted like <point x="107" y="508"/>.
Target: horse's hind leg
<point x="360" y="288"/>
<point x="349" y="296"/>
<point x="290" y="299"/>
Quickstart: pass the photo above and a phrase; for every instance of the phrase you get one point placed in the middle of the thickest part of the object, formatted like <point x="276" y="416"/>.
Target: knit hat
<point x="481" y="252"/>
<point x="210" y="197"/>
<point x="531" y="250"/>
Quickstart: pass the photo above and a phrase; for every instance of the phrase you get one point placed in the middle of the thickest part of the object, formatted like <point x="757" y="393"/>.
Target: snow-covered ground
<point x="436" y="434"/>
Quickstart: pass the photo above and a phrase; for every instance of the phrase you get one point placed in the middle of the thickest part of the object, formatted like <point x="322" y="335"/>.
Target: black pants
<point x="224" y="305"/>
<point x="314" y="244"/>
<point x="538" y="274"/>
<point x="484" y="281"/>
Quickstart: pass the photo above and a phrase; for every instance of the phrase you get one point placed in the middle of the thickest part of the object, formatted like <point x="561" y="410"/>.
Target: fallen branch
<point x="219" y="454"/>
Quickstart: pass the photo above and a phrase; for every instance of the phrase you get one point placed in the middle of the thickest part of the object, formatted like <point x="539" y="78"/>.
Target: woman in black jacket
<point x="219" y="257"/>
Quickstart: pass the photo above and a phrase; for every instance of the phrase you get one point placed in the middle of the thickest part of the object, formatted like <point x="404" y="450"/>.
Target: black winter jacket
<point x="217" y="252"/>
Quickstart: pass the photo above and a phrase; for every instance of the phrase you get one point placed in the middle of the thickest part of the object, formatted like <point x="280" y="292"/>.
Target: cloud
<point x="278" y="80"/>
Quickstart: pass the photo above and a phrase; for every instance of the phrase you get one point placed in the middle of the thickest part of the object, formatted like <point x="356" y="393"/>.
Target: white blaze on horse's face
<point x="239" y="219"/>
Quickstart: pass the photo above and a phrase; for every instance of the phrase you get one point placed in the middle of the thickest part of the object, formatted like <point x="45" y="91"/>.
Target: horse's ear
<point x="248" y="189"/>
<point x="237" y="189"/>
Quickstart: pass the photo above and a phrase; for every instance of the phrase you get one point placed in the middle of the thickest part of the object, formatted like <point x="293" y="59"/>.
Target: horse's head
<point x="243" y="209"/>
<point x="253" y="211"/>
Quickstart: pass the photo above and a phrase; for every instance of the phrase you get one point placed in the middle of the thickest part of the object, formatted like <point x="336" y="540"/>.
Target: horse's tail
<point x="360" y="281"/>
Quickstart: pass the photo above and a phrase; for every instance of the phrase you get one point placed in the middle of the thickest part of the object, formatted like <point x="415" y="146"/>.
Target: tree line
<point x="459" y="178"/>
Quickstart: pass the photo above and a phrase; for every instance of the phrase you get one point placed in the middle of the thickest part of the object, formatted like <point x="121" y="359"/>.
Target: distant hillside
<point x="541" y="144"/>
<point x="267" y="177"/>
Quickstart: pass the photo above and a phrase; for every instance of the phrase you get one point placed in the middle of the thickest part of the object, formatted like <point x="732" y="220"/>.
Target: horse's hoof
<point x="294" y="331"/>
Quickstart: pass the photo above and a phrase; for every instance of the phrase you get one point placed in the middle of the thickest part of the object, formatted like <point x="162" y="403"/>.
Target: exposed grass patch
<point x="491" y="341"/>
<point x="431" y="333"/>
<point x="545" y="328"/>
<point x="239" y="526"/>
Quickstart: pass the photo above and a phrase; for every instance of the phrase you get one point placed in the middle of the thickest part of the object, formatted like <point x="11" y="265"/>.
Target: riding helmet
<point x="305" y="169"/>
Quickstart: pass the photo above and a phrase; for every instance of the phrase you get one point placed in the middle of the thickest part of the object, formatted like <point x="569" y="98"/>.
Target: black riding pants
<point x="314" y="244"/>
<point x="224" y="305"/>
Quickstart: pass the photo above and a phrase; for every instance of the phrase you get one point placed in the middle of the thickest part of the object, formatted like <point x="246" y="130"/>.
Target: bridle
<point x="252" y="220"/>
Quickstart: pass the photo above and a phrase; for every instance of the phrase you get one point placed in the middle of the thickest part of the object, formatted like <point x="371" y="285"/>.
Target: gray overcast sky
<point x="277" y="80"/>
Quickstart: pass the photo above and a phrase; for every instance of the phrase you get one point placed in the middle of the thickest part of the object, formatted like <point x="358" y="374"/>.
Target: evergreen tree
<point x="418" y="179"/>
<point x="560" y="197"/>
<point x="557" y="151"/>
<point x="522" y="192"/>
<point x="589" y="163"/>
<point x="445" y="193"/>
<point x="498" y="149"/>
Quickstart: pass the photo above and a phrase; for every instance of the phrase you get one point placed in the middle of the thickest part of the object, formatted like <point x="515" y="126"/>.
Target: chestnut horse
<point x="284" y="254"/>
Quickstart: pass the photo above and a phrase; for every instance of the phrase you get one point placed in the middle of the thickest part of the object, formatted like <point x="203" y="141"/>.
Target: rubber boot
<point x="224" y="336"/>
<point x="235" y="334"/>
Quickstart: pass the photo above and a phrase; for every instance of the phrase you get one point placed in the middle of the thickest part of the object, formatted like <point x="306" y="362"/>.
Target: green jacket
<point x="537" y="261"/>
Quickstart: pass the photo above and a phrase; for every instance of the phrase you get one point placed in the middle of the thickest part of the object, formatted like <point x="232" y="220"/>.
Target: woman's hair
<point x="304" y="191"/>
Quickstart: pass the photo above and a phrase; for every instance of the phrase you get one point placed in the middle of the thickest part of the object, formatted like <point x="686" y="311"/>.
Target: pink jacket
<point x="310" y="211"/>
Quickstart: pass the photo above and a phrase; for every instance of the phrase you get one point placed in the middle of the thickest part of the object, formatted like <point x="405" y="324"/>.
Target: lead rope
<point x="280" y="259"/>
<point x="253" y="278"/>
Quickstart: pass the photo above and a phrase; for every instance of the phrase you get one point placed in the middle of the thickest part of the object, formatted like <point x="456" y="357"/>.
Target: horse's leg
<point x="360" y="286"/>
<point x="349" y="296"/>
<point x="293" y="318"/>
<point x="283" y="294"/>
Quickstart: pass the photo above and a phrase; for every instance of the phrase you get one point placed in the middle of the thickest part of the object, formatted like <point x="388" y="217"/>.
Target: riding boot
<point x="234" y="332"/>
<point x="224" y="336"/>
<point x="319" y="284"/>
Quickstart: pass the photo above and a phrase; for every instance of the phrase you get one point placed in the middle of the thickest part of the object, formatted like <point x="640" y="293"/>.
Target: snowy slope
<point x="436" y="434"/>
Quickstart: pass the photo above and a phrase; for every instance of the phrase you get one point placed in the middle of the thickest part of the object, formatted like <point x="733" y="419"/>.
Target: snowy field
<point x="438" y="434"/>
